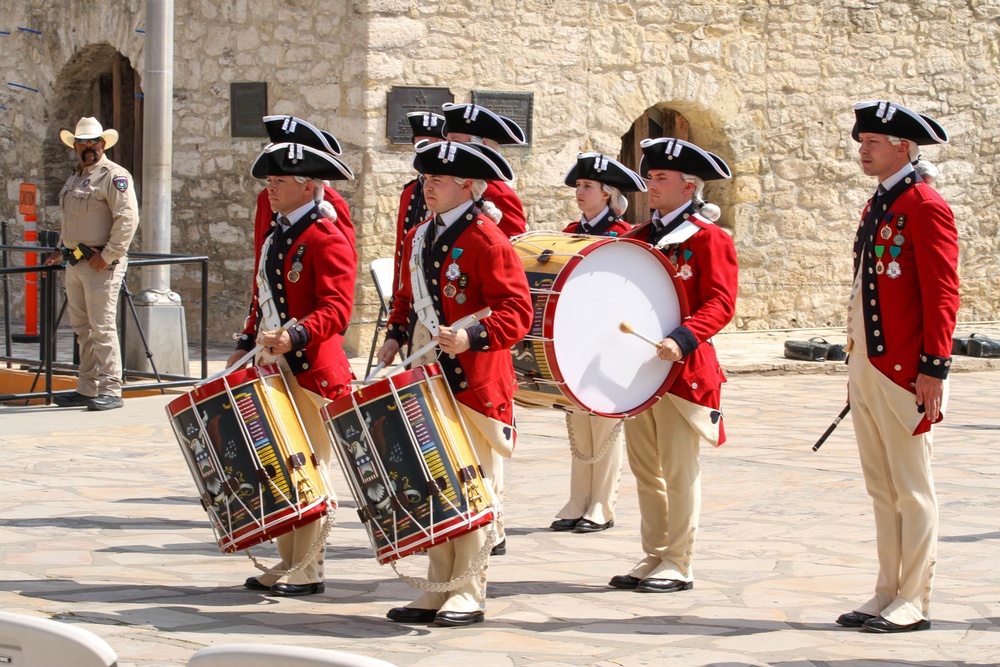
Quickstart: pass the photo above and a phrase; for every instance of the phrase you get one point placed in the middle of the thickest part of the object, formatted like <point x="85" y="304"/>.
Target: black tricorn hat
<point x="683" y="156"/>
<point x="287" y="159"/>
<point x="603" y="169"/>
<point x="289" y="129"/>
<point x="426" y="124"/>
<point x="454" y="158"/>
<point x="481" y="122"/>
<point x="883" y="117"/>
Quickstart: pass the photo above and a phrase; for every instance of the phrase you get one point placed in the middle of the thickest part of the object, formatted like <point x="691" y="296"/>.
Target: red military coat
<point x="323" y="290"/>
<point x="490" y="274"/>
<point x="504" y="198"/>
<point x="916" y="300"/>
<point x="706" y="263"/>
<point x="264" y="218"/>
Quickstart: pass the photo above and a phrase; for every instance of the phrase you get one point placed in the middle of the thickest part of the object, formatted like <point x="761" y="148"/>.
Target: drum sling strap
<point x="423" y="303"/>
<point x="269" y="319"/>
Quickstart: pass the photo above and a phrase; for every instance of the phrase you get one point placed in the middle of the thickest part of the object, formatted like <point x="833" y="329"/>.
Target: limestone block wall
<point x="766" y="84"/>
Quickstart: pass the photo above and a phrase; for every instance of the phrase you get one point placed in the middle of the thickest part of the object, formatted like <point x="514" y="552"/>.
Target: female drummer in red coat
<point x="596" y="442"/>
<point x="663" y="441"/>
<point x="305" y="270"/>
<point x="456" y="264"/>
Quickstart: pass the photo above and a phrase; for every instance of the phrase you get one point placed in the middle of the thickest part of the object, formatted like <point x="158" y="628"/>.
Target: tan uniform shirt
<point x="99" y="208"/>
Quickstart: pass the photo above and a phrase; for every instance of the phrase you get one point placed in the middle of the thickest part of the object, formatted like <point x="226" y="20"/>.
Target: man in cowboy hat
<point x="900" y="319"/>
<point x="305" y="270"/>
<point x="663" y="441"/>
<point x="100" y="214"/>
<point x="459" y="263"/>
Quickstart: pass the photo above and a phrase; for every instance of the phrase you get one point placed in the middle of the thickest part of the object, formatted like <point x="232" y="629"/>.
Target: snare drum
<point x="583" y="287"/>
<point x="250" y="457"/>
<point x="409" y="462"/>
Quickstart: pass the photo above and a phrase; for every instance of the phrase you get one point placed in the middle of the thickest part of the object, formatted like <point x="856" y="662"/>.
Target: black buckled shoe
<point x="626" y="582"/>
<point x="500" y="548"/>
<point x="105" y="402"/>
<point x="564" y="524"/>
<point x="587" y="526"/>
<point x="253" y="584"/>
<point x="853" y="619"/>
<point x="882" y="626"/>
<point x="456" y="619"/>
<point x="411" y="615"/>
<point x="73" y="400"/>
<point x="663" y="585"/>
<point x="295" y="590"/>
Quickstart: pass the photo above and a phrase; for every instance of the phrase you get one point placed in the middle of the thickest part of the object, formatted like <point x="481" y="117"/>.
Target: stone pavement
<point x="100" y="527"/>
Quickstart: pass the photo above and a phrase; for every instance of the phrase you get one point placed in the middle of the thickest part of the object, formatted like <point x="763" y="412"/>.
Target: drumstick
<point x="468" y="320"/>
<point x="829" y="430"/>
<point x="625" y="327"/>
<point x="246" y="357"/>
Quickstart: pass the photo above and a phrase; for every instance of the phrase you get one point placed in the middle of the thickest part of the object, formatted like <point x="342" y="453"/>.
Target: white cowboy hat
<point x="89" y="128"/>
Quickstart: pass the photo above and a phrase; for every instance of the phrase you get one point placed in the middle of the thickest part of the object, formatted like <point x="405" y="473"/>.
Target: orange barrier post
<point x="26" y="207"/>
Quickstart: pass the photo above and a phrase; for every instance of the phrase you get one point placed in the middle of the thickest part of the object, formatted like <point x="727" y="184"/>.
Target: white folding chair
<point x="381" y="270"/>
<point x="26" y="641"/>
<point x="265" y="655"/>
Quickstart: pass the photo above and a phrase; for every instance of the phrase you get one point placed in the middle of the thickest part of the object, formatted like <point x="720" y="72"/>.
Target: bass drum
<point x="583" y="288"/>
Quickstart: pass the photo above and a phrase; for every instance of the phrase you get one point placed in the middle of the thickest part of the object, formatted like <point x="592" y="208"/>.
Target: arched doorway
<point x="654" y="123"/>
<point x="99" y="81"/>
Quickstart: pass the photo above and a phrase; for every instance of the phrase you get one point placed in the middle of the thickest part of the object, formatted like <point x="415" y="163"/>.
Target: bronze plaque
<point x="516" y="106"/>
<point x="407" y="99"/>
<point x="247" y="108"/>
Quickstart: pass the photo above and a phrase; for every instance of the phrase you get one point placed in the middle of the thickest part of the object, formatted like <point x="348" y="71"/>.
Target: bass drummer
<point x="596" y="442"/>
<point x="305" y="269"/>
<point x="457" y="263"/>
<point x="663" y="440"/>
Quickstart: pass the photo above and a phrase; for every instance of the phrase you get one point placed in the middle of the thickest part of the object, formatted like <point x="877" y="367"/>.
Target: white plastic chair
<point x="381" y="270"/>
<point x="26" y="641"/>
<point x="265" y="655"/>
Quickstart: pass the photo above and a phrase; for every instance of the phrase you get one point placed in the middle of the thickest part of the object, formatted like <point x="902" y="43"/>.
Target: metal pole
<point x="157" y="151"/>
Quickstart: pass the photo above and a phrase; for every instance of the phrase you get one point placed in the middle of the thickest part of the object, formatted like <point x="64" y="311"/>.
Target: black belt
<point x="82" y="253"/>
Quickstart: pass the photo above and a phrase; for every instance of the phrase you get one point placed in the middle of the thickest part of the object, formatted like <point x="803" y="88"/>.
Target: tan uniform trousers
<point x="897" y="469"/>
<point x="92" y="302"/>
<point x="293" y="546"/>
<point x="593" y="487"/>
<point x="663" y="455"/>
<point x="452" y="559"/>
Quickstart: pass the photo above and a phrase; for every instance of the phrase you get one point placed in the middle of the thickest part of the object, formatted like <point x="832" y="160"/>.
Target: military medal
<point x="450" y="291"/>
<point x="886" y="232"/>
<point x="463" y="282"/>
<point x="686" y="271"/>
<point x="894" y="271"/>
<point x="454" y="270"/>
<point x="295" y="273"/>
<point x="879" y="251"/>
<point x="460" y="298"/>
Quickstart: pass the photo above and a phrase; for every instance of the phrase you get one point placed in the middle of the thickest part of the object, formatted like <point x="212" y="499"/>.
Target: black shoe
<point x="586" y="526"/>
<point x="663" y="586"/>
<point x="295" y="590"/>
<point x="564" y="524"/>
<point x="455" y="619"/>
<point x="74" y="400"/>
<point x="255" y="585"/>
<point x="882" y="626"/>
<point x="499" y="549"/>
<point x="411" y="615"/>
<point x="624" y="581"/>
<point x="105" y="402"/>
<point x="853" y="619"/>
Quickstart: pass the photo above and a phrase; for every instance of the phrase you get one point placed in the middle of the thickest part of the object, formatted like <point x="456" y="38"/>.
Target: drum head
<point x="608" y="371"/>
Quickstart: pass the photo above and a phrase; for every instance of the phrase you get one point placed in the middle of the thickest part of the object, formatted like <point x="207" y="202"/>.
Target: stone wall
<point x="766" y="85"/>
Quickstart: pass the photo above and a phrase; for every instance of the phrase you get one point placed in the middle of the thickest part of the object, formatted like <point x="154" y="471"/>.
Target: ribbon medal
<point x="463" y="282"/>
<point x="686" y="271"/>
<point x="295" y="273"/>
<point x="886" y="232"/>
<point x="894" y="271"/>
<point x="879" y="251"/>
<point x="454" y="270"/>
